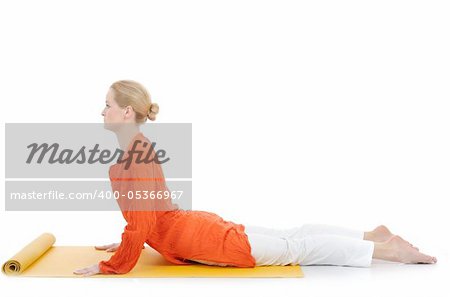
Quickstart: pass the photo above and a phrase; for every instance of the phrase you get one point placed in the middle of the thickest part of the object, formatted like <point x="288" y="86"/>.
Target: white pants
<point x="309" y="245"/>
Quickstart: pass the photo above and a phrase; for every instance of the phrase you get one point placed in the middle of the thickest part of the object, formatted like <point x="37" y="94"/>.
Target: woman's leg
<point x="331" y="250"/>
<point x="306" y="230"/>
<point x="379" y="234"/>
<point x="310" y="250"/>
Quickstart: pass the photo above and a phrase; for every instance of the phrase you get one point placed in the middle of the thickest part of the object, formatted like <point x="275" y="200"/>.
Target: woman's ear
<point x="128" y="112"/>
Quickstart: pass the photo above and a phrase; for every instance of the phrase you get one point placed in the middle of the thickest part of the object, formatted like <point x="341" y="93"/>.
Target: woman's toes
<point x="422" y="258"/>
<point x="430" y="260"/>
<point x="407" y="253"/>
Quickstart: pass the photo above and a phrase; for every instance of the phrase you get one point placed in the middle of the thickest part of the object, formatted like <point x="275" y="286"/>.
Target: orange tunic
<point x="180" y="236"/>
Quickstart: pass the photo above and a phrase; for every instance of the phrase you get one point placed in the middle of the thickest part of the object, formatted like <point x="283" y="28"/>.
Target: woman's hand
<point x="88" y="271"/>
<point x="109" y="247"/>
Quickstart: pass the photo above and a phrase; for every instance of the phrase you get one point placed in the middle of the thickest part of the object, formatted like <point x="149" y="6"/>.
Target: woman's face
<point x="112" y="113"/>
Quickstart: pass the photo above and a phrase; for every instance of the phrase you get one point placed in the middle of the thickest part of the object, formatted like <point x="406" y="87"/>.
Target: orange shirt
<point x="178" y="235"/>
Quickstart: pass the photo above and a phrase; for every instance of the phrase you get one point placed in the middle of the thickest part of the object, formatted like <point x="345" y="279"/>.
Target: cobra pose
<point x="184" y="237"/>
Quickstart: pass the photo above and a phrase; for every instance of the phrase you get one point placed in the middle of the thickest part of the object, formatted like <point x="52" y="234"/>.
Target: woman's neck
<point x="126" y="135"/>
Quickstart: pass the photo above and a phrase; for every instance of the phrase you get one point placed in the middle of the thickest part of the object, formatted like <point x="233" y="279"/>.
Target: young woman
<point x="187" y="236"/>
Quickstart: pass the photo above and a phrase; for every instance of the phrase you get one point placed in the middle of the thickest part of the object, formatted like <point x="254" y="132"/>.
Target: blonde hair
<point x="132" y="93"/>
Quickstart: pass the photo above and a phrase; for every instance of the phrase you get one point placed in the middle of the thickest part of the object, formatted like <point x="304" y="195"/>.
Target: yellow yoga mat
<point x="41" y="259"/>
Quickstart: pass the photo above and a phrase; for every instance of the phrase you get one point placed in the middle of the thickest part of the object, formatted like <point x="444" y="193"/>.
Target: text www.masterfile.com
<point x="61" y="195"/>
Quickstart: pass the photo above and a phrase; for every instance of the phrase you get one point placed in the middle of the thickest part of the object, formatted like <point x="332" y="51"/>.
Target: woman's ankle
<point x="384" y="251"/>
<point x="369" y="235"/>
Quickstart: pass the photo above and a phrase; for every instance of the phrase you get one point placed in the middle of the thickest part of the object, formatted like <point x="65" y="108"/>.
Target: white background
<point x="303" y="112"/>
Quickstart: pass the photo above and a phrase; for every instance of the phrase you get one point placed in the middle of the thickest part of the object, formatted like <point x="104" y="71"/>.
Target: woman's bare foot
<point x="381" y="234"/>
<point x="399" y="250"/>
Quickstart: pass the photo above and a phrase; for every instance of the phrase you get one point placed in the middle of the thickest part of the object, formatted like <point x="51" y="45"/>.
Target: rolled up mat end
<point x="29" y="254"/>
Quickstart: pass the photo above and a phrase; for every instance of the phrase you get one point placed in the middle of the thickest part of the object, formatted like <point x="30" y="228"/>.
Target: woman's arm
<point x="129" y="250"/>
<point x="140" y="216"/>
<point x="133" y="238"/>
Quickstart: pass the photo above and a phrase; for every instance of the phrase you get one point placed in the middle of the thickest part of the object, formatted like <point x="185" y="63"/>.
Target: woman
<point x="184" y="236"/>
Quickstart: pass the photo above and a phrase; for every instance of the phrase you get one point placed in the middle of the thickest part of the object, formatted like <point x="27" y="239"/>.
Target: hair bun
<point x="153" y="111"/>
<point x="154" y="108"/>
